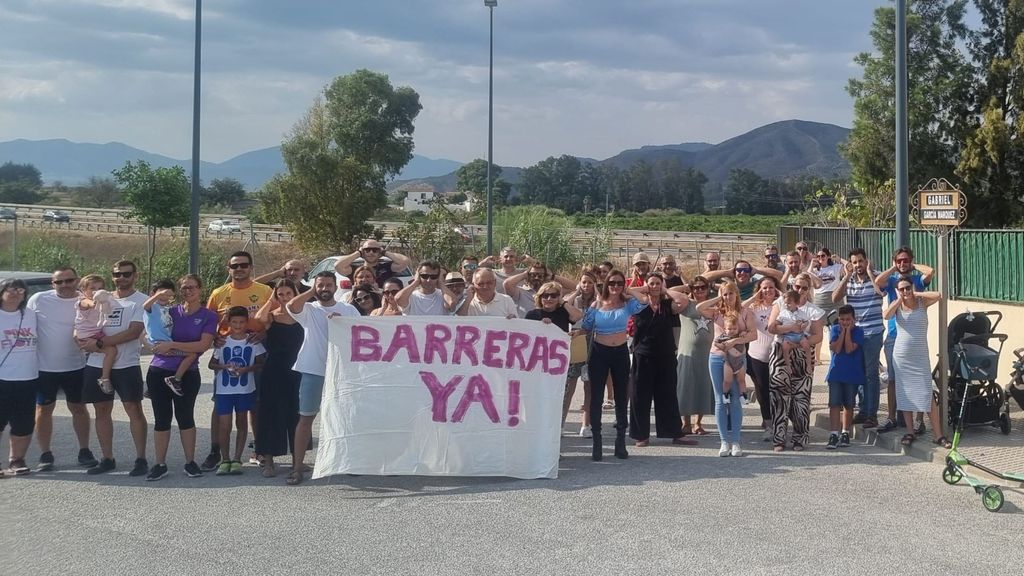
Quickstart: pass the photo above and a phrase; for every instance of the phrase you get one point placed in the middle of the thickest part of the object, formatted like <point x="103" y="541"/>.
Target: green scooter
<point x="991" y="495"/>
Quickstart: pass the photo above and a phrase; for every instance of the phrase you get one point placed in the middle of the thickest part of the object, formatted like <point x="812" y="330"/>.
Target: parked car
<point x="36" y="281"/>
<point x="56" y="216"/>
<point x="344" y="282"/>
<point x="8" y="214"/>
<point x="225" y="226"/>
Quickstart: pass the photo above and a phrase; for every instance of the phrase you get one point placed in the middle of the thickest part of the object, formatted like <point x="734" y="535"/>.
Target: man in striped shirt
<point x="859" y="289"/>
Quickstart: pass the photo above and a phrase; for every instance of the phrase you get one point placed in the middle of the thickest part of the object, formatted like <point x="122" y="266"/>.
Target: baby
<point x="735" y="360"/>
<point x="792" y="315"/>
<point x="93" y="306"/>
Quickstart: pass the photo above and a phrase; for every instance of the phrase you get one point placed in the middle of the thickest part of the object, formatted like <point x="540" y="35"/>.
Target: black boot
<point x="596" y="455"/>
<point x="620" y="443"/>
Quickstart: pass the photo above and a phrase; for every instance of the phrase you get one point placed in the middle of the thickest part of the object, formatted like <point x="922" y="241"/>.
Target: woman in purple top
<point x="192" y="332"/>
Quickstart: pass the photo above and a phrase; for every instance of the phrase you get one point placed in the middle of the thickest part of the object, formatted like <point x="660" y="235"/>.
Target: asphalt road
<point x="665" y="509"/>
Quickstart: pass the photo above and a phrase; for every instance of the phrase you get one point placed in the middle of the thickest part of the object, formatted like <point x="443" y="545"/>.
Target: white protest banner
<point x="442" y="396"/>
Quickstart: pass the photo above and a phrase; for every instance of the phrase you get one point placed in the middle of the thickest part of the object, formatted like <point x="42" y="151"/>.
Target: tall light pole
<point x="490" y="132"/>
<point x="902" y="180"/>
<point x="193" y="226"/>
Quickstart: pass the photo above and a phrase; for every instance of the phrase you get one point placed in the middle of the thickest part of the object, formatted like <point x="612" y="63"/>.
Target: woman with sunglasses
<point x="278" y="409"/>
<point x="790" y="382"/>
<point x="694" y="391"/>
<point x="727" y="303"/>
<point x="654" y="366"/>
<point x="829" y="271"/>
<point x="389" y="306"/>
<point x="19" y="371"/>
<point x="552" y="309"/>
<point x="365" y="299"/>
<point x="759" y="351"/>
<point x="911" y="360"/>
<point x="361" y="275"/>
<point x="607" y="319"/>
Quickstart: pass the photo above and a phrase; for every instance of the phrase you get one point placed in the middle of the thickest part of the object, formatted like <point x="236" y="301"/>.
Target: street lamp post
<point x="193" y="226"/>
<point x="902" y="180"/>
<point x="490" y="4"/>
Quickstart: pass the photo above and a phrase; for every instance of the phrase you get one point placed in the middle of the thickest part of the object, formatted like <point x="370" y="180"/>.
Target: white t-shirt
<point x="829" y="276"/>
<point x="312" y="358"/>
<point x="119" y="320"/>
<point x="241" y="353"/>
<point x="19" y="340"/>
<point x="501" y="307"/>
<point x="421" y="304"/>
<point x="58" y="351"/>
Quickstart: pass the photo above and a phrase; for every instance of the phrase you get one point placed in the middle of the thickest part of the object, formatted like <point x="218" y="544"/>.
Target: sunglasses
<point x="772" y="256"/>
<point x="237" y="265"/>
<point x="122" y="274"/>
<point x="469" y="266"/>
<point x="371" y="249"/>
<point x="744" y="270"/>
<point x="616" y="283"/>
<point x="390" y="292"/>
<point x="799" y="288"/>
<point x="549" y="295"/>
<point x="64" y="281"/>
<point x="429" y="276"/>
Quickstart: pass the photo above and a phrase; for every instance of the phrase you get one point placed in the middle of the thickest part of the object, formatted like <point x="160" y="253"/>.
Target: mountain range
<point x="779" y="150"/>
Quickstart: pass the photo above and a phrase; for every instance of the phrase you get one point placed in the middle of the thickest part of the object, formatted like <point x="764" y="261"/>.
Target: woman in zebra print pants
<point x="790" y="383"/>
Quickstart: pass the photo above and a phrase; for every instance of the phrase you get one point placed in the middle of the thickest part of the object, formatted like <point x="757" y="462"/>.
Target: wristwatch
<point x="99" y="343"/>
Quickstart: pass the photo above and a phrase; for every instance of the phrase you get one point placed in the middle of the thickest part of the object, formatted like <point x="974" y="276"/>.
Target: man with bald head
<point x="483" y="299"/>
<point x="712" y="262"/>
<point x="371" y="252"/>
<point x="294" y="270"/>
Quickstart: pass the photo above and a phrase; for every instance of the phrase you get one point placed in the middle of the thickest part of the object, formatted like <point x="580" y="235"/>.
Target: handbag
<point x="578" y="349"/>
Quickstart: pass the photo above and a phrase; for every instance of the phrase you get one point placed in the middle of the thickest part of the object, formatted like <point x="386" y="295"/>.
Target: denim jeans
<point x="729" y="420"/>
<point x="872" y="386"/>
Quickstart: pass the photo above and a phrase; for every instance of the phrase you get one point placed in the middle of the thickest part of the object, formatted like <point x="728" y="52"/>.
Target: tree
<point x="97" y="193"/>
<point x="693" y="191"/>
<point x="339" y="157"/>
<point x="939" y="80"/>
<point x="992" y="164"/>
<point x="472" y="179"/>
<point x="20" y="184"/>
<point x="156" y="198"/>
<point x="222" y="192"/>
<point x="434" y="235"/>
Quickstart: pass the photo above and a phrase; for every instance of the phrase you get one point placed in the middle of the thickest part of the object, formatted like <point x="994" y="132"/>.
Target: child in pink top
<point x="91" y="310"/>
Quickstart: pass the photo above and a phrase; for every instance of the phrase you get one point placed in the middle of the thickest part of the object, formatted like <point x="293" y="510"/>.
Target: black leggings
<point x="606" y="360"/>
<point x="758" y="372"/>
<point x="166" y="404"/>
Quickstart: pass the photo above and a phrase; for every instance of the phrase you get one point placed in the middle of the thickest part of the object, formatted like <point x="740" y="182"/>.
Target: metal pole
<point x="193" y="225"/>
<point x="490" y="136"/>
<point x="902" y="180"/>
<point x="14" y="245"/>
<point x="942" y="270"/>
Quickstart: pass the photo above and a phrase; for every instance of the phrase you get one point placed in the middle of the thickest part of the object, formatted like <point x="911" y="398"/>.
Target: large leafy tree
<point x="98" y="193"/>
<point x="222" y="192"/>
<point x="472" y="179"/>
<point x="938" y="87"/>
<point x="339" y="157"/>
<point x="992" y="165"/>
<point x="20" y="184"/>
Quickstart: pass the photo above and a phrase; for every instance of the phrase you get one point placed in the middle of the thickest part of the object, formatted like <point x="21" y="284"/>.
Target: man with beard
<point x="522" y="293"/>
<point x="858" y="287"/>
<point x="456" y="284"/>
<point x="371" y="251"/>
<point x="482" y="299"/>
<point x="921" y="276"/>
<point x="670" y="271"/>
<point x="294" y="270"/>
<point x="61" y="364"/>
<point x="426" y="295"/>
<point x="251" y="295"/>
<point x="311" y="362"/>
<point x="772" y="258"/>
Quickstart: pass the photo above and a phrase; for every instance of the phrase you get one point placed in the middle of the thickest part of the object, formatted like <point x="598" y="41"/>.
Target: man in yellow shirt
<point x="240" y="291"/>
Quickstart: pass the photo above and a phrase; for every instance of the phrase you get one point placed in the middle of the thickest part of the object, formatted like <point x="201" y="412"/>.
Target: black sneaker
<point x="844" y="440"/>
<point x="140" y="469"/>
<point x="211" y="462"/>
<point x="859" y="419"/>
<point x="45" y="462"/>
<point x="192" y="470"/>
<point x="86" y="458"/>
<point x="833" y="441"/>
<point x="104" y="465"/>
<point x="157" y="472"/>
<point x="175" y="385"/>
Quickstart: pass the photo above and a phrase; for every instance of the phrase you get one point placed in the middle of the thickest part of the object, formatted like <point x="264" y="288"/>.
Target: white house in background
<point x="420" y="199"/>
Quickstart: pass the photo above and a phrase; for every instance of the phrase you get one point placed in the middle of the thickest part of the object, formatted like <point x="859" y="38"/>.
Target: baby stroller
<point x="972" y="372"/>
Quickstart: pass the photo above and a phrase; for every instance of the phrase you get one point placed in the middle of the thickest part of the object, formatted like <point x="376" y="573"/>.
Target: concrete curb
<point x="922" y="448"/>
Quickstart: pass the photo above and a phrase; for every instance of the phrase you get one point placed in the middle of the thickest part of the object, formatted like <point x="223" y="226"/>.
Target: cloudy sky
<point x="584" y="77"/>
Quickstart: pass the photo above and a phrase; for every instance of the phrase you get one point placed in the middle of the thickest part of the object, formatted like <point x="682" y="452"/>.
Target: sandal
<point x="907" y="439"/>
<point x="778" y="448"/>
<point x="294" y="478"/>
<point x="608" y="405"/>
<point x="687" y="430"/>
<point x="268" y="469"/>
<point x="798" y="447"/>
<point x="700" y="431"/>
<point x="942" y="441"/>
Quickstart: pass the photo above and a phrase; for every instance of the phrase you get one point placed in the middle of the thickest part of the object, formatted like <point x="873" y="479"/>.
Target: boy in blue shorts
<point x="845" y="375"/>
<point x="234" y="387"/>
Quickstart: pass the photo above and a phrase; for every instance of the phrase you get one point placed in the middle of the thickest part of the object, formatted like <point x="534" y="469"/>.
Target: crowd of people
<point x="640" y="337"/>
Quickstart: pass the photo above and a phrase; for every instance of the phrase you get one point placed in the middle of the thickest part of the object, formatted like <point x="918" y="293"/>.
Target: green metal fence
<point x="984" y="264"/>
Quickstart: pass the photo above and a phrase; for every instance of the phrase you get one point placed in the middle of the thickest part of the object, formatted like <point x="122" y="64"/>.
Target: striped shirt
<point x="867" y="305"/>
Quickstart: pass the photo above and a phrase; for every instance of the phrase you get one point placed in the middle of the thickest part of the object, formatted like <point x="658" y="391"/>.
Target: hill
<point x="74" y="162"/>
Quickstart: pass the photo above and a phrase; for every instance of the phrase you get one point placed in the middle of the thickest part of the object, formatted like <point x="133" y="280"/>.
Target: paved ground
<point x="684" y="509"/>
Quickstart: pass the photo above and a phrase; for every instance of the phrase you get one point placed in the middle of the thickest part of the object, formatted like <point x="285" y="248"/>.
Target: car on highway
<point x="36" y="281"/>
<point x="8" y="214"/>
<point x="225" y="226"/>
<point x="56" y="216"/>
<point x="344" y="282"/>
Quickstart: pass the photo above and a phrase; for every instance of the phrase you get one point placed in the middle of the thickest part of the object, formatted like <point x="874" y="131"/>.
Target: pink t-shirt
<point x="89" y="323"/>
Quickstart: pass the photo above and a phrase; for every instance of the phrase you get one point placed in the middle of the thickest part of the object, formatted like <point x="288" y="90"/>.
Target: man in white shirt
<point x="311" y="361"/>
<point x="426" y="295"/>
<point x="483" y="300"/>
<point x="61" y="363"/>
<point x="123" y="327"/>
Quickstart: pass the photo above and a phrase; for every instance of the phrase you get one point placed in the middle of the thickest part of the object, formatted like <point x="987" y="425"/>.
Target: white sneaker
<point x="736" y="450"/>
<point x="726" y="398"/>
<point x="585" y="432"/>
<point x="725" y="449"/>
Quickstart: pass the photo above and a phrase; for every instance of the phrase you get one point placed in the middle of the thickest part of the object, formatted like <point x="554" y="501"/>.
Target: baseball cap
<point x="641" y="257"/>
